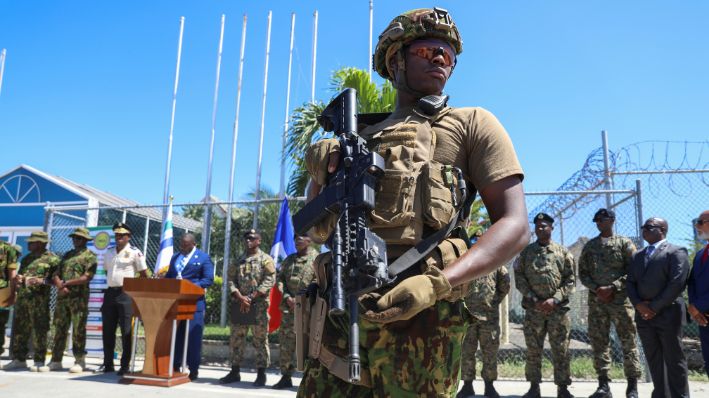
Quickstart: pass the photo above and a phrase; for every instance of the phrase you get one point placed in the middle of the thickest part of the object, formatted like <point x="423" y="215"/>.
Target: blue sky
<point x="88" y="85"/>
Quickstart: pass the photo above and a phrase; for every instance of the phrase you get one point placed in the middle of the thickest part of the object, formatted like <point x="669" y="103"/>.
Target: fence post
<point x="145" y="236"/>
<point x="639" y="210"/>
<point x="607" y="168"/>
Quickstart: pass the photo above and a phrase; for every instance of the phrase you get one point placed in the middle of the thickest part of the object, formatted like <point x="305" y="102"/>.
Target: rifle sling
<point x="418" y="252"/>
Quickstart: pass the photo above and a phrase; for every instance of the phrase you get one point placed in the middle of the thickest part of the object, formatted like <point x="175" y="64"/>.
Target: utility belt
<point x="311" y="309"/>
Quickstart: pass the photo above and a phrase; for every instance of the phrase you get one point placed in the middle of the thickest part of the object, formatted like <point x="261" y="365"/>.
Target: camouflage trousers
<point x="487" y="333"/>
<point x="286" y="338"/>
<point x="419" y="357"/>
<point x="259" y="336"/>
<point x="31" y="319"/>
<point x="74" y="310"/>
<point x="600" y="317"/>
<point x="536" y="327"/>
<point x="4" y="317"/>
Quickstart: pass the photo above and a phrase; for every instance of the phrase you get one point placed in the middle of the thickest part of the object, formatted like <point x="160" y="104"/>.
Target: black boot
<point x="467" y="390"/>
<point x="284" y="382"/>
<point x="490" y="391"/>
<point x="533" y="392"/>
<point x="632" y="390"/>
<point x="260" y="378"/>
<point x="563" y="392"/>
<point x="604" y="390"/>
<point x="232" y="376"/>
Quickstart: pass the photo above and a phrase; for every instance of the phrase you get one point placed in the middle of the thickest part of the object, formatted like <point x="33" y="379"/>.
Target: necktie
<point x="648" y="253"/>
<point x="705" y="254"/>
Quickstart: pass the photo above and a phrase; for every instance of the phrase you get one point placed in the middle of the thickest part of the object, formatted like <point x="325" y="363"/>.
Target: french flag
<point x="283" y="246"/>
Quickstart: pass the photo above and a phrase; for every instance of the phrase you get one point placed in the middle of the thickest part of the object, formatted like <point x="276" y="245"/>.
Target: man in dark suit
<point x="195" y="266"/>
<point x="656" y="279"/>
<point x="698" y="286"/>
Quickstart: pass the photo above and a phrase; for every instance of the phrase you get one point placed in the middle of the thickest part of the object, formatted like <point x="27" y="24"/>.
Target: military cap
<point x="252" y="232"/>
<point x="81" y="233"/>
<point x="544" y="217"/>
<point x="603" y="213"/>
<point x="38" y="236"/>
<point x="121" y="228"/>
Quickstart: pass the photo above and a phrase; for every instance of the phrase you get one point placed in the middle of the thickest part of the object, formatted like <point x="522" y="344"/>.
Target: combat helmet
<point x="411" y="25"/>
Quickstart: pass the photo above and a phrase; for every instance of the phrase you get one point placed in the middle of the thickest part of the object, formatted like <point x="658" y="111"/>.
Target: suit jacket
<point x="698" y="283"/>
<point x="662" y="280"/>
<point x="199" y="270"/>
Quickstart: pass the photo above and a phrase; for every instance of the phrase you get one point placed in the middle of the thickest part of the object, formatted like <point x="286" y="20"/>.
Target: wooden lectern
<point x="160" y="303"/>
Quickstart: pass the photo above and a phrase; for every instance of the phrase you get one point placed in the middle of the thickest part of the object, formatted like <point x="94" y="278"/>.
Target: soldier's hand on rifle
<point x="409" y="297"/>
<point x="321" y="159"/>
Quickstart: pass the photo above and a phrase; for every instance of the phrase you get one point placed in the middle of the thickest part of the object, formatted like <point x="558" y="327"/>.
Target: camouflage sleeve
<point x="568" y="281"/>
<point x="54" y="263"/>
<point x="92" y="264"/>
<point x="521" y="282"/>
<point x="628" y="250"/>
<point x="231" y="276"/>
<point x="268" y="276"/>
<point x="502" y="285"/>
<point x="58" y="270"/>
<point x="11" y="258"/>
<point x="585" y="270"/>
<point x="281" y="279"/>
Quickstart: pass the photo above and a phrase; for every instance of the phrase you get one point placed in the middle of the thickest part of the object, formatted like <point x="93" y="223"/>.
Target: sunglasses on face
<point x="699" y="223"/>
<point x="650" y="227"/>
<point x="430" y="50"/>
<point x="250" y="238"/>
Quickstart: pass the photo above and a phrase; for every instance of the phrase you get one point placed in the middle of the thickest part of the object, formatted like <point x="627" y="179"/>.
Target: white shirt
<point x="121" y="265"/>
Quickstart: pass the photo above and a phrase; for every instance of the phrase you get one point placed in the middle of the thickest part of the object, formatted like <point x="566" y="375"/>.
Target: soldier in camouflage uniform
<point x="8" y="270"/>
<point x="250" y="283"/>
<point x="72" y="279"/>
<point x="296" y="274"/>
<point x="544" y="275"/>
<point x="32" y="308"/>
<point x="483" y="300"/>
<point x="603" y="270"/>
<point x="411" y="332"/>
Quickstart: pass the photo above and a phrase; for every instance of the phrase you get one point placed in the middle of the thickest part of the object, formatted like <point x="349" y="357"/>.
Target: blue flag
<point x="283" y="240"/>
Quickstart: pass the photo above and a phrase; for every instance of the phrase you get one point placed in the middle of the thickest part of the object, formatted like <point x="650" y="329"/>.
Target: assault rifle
<point x="359" y="259"/>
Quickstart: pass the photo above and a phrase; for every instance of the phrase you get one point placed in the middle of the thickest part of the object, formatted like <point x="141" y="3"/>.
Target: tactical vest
<point x="415" y="191"/>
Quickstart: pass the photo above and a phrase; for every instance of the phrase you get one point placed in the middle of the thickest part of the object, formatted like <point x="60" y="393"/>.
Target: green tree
<point x="305" y="129"/>
<point x="479" y="219"/>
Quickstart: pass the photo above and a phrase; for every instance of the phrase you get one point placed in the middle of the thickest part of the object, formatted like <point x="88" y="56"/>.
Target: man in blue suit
<point x="195" y="266"/>
<point x="698" y="286"/>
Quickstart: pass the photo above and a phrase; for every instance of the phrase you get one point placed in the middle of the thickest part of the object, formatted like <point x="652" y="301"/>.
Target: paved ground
<point x="25" y="384"/>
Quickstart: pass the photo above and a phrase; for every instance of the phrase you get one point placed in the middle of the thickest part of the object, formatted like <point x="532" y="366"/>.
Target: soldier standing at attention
<point x="32" y="309"/>
<point x="121" y="261"/>
<point x="544" y="275"/>
<point x="603" y="269"/>
<point x="296" y="274"/>
<point x="72" y="279"/>
<point x="250" y="282"/>
<point x="8" y="270"/>
<point x="411" y="332"/>
<point x="483" y="300"/>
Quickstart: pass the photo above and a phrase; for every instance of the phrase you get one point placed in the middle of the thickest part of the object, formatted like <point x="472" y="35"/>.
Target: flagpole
<point x="263" y="120"/>
<point x="315" y="51"/>
<point x="166" y="187"/>
<point x="227" y="224"/>
<point x="3" y="54"/>
<point x="282" y="192"/>
<point x="206" y="226"/>
<point x="371" y="21"/>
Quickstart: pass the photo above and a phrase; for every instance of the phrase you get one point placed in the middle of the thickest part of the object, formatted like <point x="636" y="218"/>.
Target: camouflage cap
<point x="414" y="24"/>
<point x="38" y="236"/>
<point x="603" y="213"/>
<point x="121" y="228"/>
<point x="544" y="217"/>
<point x="81" y="233"/>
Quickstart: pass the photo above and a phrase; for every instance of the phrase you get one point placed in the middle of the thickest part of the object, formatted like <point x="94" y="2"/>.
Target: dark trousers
<point x="116" y="311"/>
<point x="194" y="342"/>
<point x="704" y="338"/>
<point x="662" y="342"/>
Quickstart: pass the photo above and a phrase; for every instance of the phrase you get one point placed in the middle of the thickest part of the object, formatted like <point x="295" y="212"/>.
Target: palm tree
<point x="305" y="129"/>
